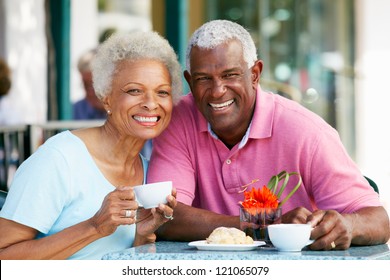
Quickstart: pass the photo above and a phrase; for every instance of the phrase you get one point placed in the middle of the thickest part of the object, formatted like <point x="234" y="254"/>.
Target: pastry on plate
<point x="224" y="235"/>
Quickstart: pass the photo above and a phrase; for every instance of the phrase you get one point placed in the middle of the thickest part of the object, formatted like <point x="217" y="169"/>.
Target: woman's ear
<point x="106" y="104"/>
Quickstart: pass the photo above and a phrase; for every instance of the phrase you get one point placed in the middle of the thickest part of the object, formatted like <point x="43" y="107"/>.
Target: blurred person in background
<point x="5" y="78"/>
<point x="5" y="86"/>
<point x="90" y="107"/>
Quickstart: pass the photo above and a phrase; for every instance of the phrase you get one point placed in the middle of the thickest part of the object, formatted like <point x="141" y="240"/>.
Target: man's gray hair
<point x="134" y="46"/>
<point x="217" y="32"/>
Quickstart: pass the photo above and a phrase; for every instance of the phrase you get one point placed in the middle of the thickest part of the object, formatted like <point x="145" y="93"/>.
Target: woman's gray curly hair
<point x="217" y="32"/>
<point x="133" y="46"/>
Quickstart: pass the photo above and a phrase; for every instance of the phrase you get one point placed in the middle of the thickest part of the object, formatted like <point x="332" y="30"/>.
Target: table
<point x="165" y="250"/>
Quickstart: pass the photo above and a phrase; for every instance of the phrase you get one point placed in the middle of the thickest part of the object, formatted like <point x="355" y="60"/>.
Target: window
<point x="308" y="51"/>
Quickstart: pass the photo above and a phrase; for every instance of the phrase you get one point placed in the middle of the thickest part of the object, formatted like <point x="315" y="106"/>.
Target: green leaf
<point x="273" y="182"/>
<point x="294" y="189"/>
<point x="285" y="176"/>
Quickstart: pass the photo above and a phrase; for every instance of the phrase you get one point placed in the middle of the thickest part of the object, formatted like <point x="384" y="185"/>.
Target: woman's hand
<point x="118" y="208"/>
<point x="149" y="220"/>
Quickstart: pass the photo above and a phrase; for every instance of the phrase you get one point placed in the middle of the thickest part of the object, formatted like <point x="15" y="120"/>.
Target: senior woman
<point x="73" y="198"/>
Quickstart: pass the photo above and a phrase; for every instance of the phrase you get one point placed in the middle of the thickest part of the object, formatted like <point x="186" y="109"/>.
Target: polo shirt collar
<point x="263" y="117"/>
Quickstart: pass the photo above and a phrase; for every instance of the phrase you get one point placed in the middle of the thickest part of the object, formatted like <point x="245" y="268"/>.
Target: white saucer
<point x="203" y="245"/>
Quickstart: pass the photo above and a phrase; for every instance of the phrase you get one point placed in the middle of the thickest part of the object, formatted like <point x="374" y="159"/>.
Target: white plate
<point x="203" y="245"/>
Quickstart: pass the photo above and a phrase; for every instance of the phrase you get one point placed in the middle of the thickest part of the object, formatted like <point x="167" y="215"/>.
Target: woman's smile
<point x="146" y="120"/>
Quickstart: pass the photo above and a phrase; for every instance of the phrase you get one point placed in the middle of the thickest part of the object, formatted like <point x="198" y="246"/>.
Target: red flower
<point x="259" y="198"/>
<point x="269" y="196"/>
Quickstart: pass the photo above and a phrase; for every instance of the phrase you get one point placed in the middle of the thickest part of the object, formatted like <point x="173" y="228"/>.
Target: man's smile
<point x="221" y="106"/>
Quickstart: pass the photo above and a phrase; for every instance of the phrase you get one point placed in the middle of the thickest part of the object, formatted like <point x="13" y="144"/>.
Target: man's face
<point x="224" y="89"/>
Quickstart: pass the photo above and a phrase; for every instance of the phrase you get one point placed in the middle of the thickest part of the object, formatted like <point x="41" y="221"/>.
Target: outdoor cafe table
<point x="165" y="250"/>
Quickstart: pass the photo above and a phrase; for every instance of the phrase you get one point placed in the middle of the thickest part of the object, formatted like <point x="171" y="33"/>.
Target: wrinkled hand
<point x="112" y="213"/>
<point x="331" y="230"/>
<point x="148" y="221"/>
<point x="298" y="215"/>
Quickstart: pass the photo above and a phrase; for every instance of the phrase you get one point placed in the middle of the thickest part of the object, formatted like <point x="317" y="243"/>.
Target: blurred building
<point x="329" y="55"/>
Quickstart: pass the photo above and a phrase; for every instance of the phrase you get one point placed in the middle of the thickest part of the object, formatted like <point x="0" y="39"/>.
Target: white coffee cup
<point x="151" y="195"/>
<point x="290" y="237"/>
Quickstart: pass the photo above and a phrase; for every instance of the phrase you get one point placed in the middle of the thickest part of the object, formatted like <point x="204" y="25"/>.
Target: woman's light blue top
<point x="59" y="186"/>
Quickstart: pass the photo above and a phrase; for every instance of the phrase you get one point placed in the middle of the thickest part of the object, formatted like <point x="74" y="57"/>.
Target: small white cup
<point x="290" y="237"/>
<point x="151" y="195"/>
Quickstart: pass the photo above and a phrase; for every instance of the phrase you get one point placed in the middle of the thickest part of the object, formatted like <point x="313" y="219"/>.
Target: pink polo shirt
<point x="283" y="135"/>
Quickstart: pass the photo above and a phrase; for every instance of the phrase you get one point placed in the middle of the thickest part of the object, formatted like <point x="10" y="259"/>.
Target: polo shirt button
<point x="228" y="161"/>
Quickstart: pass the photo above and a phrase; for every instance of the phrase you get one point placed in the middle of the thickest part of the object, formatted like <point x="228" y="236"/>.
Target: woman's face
<point x="141" y="98"/>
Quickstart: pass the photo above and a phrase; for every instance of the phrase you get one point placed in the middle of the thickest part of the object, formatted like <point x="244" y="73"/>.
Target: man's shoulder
<point x="186" y="107"/>
<point x="186" y="101"/>
<point x="186" y="116"/>
<point x="297" y="113"/>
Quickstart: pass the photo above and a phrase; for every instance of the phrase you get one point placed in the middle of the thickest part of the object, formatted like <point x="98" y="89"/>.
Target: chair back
<point x="372" y="184"/>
